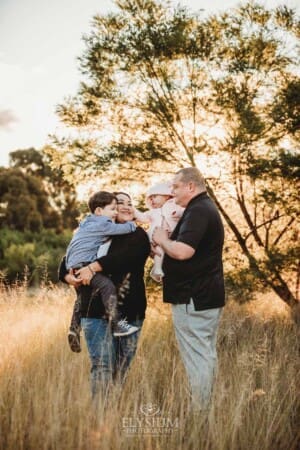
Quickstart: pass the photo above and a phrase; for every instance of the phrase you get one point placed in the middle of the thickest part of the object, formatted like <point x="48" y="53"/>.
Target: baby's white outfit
<point x="165" y="217"/>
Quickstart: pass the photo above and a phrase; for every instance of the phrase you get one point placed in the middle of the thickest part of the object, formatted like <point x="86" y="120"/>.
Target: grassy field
<point x="44" y="387"/>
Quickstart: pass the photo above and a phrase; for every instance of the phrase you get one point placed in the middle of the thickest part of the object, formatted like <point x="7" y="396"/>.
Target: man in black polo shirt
<point x="193" y="280"/>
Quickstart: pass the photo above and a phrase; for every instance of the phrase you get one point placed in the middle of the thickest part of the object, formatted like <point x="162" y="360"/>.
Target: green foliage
<point x="31" y="160"/>
<point x="240" y="284"/>
<point x="286" y="109"/>
<point x="24" y="203"/>
<point x="155" y="73"/>
<point x="35" y="255"/>
<point x="37" y="209"/>
<point x="62" y="196"/>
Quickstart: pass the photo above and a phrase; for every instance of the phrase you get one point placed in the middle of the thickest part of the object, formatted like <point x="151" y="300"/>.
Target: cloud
<point x="7" y="117"/>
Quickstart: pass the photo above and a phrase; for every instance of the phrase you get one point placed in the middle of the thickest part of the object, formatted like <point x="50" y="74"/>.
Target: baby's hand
<point x="176" y="215"/>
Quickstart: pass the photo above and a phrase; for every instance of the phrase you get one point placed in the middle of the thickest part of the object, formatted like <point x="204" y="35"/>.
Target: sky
<point x="40" y="41"/>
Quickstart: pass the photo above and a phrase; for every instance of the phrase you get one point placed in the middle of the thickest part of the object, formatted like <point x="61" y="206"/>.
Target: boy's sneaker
<point x="123" y="328"/>
<point x="74" y="341"/>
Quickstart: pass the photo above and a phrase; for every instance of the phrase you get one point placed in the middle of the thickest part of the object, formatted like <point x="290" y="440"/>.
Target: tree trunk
<point x="275" y="281"/>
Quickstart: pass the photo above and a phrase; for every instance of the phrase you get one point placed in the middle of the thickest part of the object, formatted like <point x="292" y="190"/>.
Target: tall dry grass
<point x="44" y="388"/>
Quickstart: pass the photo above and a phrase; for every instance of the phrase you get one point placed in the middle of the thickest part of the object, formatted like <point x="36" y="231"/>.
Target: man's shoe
<point x="123" y="328"/>
<point x="74" y="341"/>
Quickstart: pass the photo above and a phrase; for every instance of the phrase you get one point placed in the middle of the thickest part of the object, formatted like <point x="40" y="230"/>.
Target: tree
<point x="164" y="88"/>
<point x="62" y="196"/>
<point x="37" y="209"/>
<point x="24" y="202"/>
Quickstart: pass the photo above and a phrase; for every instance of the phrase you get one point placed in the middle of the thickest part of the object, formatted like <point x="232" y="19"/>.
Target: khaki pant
<point x="196" y="334"/>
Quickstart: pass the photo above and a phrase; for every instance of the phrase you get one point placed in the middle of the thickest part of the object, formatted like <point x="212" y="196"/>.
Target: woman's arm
<point x="85" y="274"/>
<point x="127" y="253"/>
<point x="62" y="270"/>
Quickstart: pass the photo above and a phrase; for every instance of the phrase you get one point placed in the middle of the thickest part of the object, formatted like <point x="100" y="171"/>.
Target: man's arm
<point x="193" y="227"/>
<point x="177" y="250"/>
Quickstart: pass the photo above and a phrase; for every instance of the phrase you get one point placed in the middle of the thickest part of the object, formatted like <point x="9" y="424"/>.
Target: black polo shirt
<point x="201" y="276"/>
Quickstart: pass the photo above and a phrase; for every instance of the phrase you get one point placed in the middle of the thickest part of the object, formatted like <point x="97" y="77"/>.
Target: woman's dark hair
<point x="123" y="193"/>
<point x="101" y="199"/>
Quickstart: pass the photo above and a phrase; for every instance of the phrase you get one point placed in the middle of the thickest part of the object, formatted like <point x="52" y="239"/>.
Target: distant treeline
<point x="31" y="255"/>
<point x="38" y="211"/>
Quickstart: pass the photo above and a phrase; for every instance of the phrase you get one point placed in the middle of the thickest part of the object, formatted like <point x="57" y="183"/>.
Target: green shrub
<point x="35" y="254"/>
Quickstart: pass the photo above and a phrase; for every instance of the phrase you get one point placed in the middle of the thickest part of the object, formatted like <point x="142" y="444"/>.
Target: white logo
<point x="151" y="421"/>
<point x="150" y="409"/>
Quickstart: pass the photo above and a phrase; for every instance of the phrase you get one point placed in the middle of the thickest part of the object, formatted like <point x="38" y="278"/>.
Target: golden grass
<point x="44" y="388"/>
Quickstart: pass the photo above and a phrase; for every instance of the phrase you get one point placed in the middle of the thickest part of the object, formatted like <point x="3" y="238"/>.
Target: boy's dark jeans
<point x="104" y="286"/>
<point x="76" y="315"/>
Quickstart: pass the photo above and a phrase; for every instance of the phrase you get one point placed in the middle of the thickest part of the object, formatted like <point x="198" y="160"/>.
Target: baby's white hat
<point x="159" y="189"/>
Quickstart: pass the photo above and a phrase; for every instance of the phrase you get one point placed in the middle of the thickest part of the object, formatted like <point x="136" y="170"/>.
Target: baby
<point x="163" y="213"/>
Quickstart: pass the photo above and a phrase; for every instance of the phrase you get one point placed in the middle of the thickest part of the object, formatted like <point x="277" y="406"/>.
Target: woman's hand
<point x="72" y="280"/>
<point x="84" y="275"/>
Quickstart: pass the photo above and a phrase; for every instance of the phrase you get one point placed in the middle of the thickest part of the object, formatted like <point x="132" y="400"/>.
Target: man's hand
<point x="155" y="250"/>
<point x="159" y="236"/>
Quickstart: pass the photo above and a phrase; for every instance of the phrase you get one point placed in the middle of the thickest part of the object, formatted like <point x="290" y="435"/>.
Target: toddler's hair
<point x="100" y="199"/>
